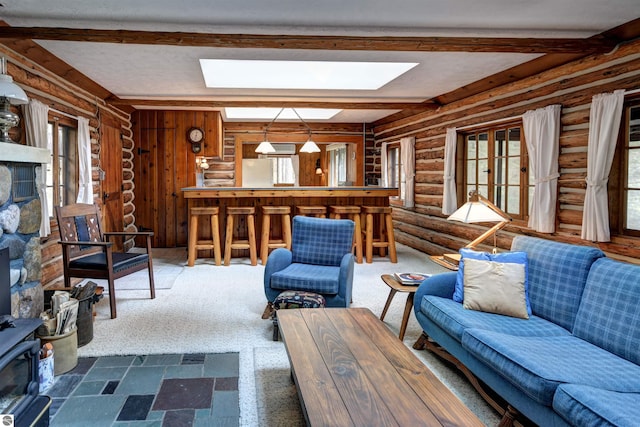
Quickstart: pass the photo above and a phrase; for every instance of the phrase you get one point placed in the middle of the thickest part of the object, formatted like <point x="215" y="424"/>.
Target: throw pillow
<point x="495" y="287"/>
<point x="508" y="257"/>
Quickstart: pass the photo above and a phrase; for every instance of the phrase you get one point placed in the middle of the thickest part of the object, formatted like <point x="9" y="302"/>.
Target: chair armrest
<point x="346" y="277"/>
<point x="80" y="243"/>
<point x="441" y="285"/>
<point x="278" y="260"/>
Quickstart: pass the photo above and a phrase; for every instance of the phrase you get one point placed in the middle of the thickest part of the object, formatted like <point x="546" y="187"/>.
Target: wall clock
<point x="195" y="135"/>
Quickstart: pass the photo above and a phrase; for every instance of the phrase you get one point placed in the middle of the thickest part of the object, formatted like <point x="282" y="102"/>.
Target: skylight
<point x="320" y="75"/>
<point x="287" y="113"/>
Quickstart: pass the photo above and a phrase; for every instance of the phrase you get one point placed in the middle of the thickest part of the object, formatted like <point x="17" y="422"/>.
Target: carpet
<point x="217" y="309"/>
<point x="154" y="390"/>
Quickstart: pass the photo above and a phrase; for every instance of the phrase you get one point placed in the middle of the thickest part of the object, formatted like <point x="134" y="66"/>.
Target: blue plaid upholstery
<point x="537" y="365"/>
<point x="557" y="275"/>
<point x="319" y="261"/>
<point x="585" y="406"/>
<point x="451" y="317"/>
<point x="321" y="241"/>
<point x="321" y="279"/>
<point x="609" y="314"/>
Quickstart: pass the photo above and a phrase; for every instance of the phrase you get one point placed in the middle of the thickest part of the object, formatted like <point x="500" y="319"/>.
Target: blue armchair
<point x="320" y="261"/>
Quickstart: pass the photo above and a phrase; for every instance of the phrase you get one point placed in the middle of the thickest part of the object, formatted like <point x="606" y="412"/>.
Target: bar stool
<point x="250" y="242"/>
<point x="267" y="241"/>
<point x="385" y="238"/>
<point x="352" y="213"/>
<point x="317" y="211"/>
<point x="196" y="244"/>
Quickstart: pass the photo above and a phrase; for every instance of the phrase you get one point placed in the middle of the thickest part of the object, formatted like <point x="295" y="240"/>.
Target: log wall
<point x="572" y="85"/>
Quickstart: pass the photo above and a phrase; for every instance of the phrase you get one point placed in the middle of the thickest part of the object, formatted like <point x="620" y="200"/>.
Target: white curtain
<point x="35" y="122"/>
<point x="383" y="165"/>
<point x="85" y="186"/>
<point x="604" y="123"/>
<point x="542" y="134"/>
<point x="408" y="153"/>
<point x="449" y="196"/>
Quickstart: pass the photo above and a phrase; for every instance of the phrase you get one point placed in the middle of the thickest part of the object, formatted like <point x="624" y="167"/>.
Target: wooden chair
<point x="87" y="251"/>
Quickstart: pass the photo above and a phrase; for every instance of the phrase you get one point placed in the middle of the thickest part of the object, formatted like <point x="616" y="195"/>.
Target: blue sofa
<point x="575" y="361"/>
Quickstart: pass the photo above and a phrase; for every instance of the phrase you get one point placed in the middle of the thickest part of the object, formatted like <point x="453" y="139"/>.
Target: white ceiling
<point x="172" y="72"/>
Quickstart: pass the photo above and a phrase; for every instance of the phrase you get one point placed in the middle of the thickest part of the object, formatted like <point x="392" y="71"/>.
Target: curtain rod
<point x="63" y="113"/>
<point x="506" y="119"/>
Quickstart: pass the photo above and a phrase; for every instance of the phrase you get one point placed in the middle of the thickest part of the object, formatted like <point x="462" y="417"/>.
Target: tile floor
<point x="156" y="390"/>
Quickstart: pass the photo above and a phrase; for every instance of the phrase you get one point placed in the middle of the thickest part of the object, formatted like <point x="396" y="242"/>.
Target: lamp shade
<point x="310" y="147"/>
<point x="265" y="147"/>
<point x="11" y="91"/>
<point x="472" y="212"/>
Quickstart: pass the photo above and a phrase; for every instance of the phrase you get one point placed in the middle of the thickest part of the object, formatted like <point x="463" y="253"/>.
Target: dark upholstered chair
<point x="320" y="261"/>
<point x="87" y="251"/>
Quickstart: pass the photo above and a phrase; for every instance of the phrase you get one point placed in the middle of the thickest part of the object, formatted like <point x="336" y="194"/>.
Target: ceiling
<point x="154" y="71"/>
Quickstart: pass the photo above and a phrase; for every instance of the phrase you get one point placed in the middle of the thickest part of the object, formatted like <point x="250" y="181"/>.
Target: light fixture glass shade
<point x="12" y="91"/>
<point x="265" y="147"/>
<point x="310" y="147"/>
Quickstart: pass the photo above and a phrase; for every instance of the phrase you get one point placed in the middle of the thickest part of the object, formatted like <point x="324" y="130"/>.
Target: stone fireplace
<point x="20" y="217"/>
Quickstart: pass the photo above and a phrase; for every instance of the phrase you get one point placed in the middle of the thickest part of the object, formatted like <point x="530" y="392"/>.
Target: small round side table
<point x="399" y="287"/>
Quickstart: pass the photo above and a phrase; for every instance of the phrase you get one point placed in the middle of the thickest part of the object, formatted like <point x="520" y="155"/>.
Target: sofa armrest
<point x="279" y="259"/>
<point x="346" y="277"/>
<point x="441" y="285"/>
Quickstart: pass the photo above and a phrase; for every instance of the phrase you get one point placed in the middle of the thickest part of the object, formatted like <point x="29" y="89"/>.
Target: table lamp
<point x="478" y="209"/>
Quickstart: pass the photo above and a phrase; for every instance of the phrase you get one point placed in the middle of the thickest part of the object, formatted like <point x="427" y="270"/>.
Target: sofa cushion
<point x="506" y="257"/>
<point x="557" y="273"/>
<point x="537" y="365"/>
<point x="585" y="406"/>
<point x="495" y="287"/>
<point x="609" y="314"/>
<point x="321" y="241"/>
<point x="307" y="277"/>
<point x="454" y="319"/>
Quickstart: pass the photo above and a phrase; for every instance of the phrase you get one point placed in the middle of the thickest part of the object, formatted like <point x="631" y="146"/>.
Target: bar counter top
<point x="281" y="192"/>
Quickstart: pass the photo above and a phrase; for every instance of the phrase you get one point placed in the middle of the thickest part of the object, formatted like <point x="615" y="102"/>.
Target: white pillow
<point x="495" y="287"/>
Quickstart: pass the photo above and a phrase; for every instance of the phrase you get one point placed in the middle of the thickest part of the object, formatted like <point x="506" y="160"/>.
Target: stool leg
<point x="358" y="235"/>
<point x="286" y="230"/>
<point x="215" y="237"/>
<point x="264" y="240"/>
<point x="193" y="236"/>
<point x="383" y="239"/>
<point x="251" y="225"/>
<point x="228" y="240"/>
<point x="369" y="238"/>
<point x="393" y="256"/>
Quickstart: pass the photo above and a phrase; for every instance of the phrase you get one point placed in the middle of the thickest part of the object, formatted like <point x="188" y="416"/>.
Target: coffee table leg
<point x="388" y="303"/>
<point x="405" y="317"/>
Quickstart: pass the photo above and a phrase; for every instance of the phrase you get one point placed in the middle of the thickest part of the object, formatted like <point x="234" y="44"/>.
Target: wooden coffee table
<point x="350" y="370"/>
<point x="408" y="306"/>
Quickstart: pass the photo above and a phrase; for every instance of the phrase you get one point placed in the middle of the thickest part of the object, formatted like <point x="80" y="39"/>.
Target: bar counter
<point x="280" y="196"/>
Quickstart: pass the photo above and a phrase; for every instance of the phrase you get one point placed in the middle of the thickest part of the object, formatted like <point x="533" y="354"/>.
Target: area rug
<point x="153" y="390"/>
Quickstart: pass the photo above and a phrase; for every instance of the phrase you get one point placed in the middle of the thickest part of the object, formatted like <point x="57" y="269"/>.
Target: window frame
<point x="394" y="169"/>
<point x="70" y="169"/>
<point x="525" y="184"/>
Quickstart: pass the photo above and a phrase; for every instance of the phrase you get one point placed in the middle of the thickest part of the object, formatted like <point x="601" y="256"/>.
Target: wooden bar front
<point x="280" y="196"/>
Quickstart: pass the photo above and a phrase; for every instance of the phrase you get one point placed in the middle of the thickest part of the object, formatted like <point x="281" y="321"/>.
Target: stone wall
<point x="19" y="231"/>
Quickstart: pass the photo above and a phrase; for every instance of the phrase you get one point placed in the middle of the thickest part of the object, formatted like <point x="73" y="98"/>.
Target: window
<point x="395" y="174"/>
<point x="62" y="171"/>
<point x="283" y="170"/>
<point x="337" y="164"/>
<point x="496" y="164"/>
<point x="624" y="180"/>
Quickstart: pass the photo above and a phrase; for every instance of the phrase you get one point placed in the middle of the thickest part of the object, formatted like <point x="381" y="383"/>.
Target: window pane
<point x="514" y="171"/>
<point x="633" y="173"/>
<point x="483" y="171"/>
<point x="483" y="146"/>
<point x="634" y="127"/>
<point x="483" y="190"/>
<point x="501" y="171"/>
<point x="514" y="142"/>
<point x="471" y="147"/>
<point x="513" y="200"/>
<point x="500" y="143"/>
<point x="500" y="196"/>
<point x="471" y="171"/>
<point x="633" y="210"/>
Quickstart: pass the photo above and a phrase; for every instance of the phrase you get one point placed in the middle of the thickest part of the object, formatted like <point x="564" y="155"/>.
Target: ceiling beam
<point x="596" y="44"/>
<point x="218" y="104"/>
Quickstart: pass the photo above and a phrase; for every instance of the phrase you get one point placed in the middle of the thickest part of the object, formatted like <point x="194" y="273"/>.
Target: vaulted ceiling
<point x="146" y="53"/>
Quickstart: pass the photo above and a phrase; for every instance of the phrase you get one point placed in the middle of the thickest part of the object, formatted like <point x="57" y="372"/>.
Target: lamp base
<point x="8" y="120"/>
